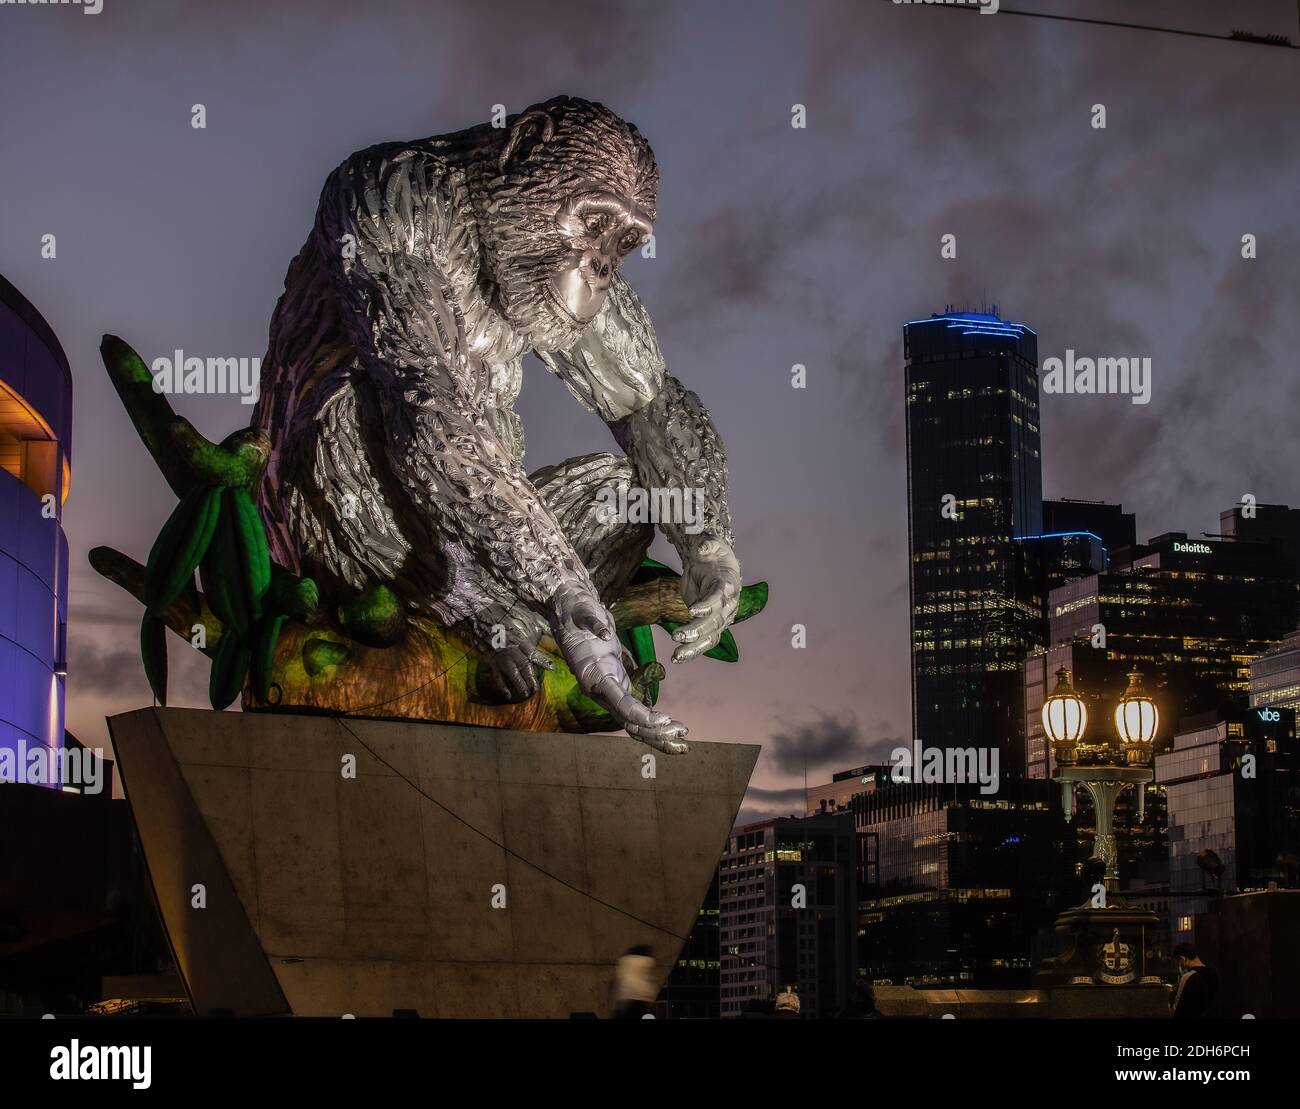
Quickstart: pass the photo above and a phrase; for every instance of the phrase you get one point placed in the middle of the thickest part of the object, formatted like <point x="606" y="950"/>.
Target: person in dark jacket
<point x="1197" y="988"/>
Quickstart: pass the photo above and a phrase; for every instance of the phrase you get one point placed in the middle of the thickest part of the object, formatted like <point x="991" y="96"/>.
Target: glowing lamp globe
<point x="1136" y="715"/>
<point x="1064" y="713"/>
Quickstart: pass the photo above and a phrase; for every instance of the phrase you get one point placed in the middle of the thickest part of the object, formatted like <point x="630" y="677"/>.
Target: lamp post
<point x="1099" y="767"/>
<point x="1102" y="942"/>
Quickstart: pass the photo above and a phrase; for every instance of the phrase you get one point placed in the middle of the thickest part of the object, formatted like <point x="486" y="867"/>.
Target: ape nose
<point x="602" y="272"/>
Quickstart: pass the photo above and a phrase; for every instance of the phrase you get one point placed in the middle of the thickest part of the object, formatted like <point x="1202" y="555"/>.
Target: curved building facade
<point x="35" y="469"/>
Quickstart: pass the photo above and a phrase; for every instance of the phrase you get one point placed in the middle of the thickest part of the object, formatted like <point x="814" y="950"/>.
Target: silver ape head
<point x="570" y="193"/>
<point x="601" y="229"/>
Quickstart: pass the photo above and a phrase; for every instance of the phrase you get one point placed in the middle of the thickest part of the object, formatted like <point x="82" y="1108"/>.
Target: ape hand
<point x="584" y="629"/>
<point x="514" y="671"/>
<point x="711" y="589"/>
<point x="507" y="641"/>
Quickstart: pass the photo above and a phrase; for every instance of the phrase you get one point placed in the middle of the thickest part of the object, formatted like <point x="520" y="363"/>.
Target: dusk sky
<point x="775" y="246"/>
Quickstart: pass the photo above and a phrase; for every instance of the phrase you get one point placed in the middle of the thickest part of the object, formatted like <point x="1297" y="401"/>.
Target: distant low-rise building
<point x="1232" y="786"/>
<point x="836" y="796"/>
<point x="962" y="885"/>
<point x="1275" y="675"/>
<point x="787" y="890"/>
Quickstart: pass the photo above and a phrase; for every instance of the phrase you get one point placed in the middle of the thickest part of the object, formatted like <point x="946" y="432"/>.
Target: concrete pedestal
<point x="321" y="866"/>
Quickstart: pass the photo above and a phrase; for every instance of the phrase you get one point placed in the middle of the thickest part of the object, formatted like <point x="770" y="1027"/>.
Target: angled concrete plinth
<point x="326" y="893"/>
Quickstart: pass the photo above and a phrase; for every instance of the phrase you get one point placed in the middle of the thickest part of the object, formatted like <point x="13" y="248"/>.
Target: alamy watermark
<point x="1131" y="376"/>
<point x="179" y="374"/>
<point x="88" y="7"/>
<point x="946" y="765"/>
<point x="102" y="1062"/>
<point x="34" y="764"/>
<point x="628" y="504"/>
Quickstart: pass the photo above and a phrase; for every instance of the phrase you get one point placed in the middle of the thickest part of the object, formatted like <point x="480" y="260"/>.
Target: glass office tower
<point x="974" y="483"/>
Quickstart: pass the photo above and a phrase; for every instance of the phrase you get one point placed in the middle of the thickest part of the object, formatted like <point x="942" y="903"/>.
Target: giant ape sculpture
<point x="394" y="363"/>
<point x="385" y="423"/>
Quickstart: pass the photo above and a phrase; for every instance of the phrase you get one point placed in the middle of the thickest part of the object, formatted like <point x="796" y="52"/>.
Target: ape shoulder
<point x="396" y="229"/>
<point x="399" y="198"/>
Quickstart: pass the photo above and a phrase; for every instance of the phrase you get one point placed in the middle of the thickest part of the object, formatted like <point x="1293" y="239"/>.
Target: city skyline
<point x="185" y="237"/>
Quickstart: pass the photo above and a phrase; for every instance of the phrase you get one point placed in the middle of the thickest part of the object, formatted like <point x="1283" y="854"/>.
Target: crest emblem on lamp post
<point x="1116" y="962"/>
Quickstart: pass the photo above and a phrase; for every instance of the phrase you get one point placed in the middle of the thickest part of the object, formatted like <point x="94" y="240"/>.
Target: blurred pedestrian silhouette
<point x="635" y="985"/>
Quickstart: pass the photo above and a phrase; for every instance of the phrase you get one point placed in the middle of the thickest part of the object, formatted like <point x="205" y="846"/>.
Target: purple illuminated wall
<point x="35" y="462"/>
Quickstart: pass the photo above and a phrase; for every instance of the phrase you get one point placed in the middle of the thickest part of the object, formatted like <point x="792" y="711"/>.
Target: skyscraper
<point x="974" y="483"/>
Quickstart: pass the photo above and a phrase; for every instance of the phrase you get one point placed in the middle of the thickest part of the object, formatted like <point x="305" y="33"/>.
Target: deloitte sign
<point x="1192" y="548"/>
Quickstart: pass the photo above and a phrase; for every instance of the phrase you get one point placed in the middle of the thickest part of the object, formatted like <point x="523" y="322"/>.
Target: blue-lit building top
<point x="952" y="332"/>
<point x="35" y="469"/>
<point x="1066" y="555"/>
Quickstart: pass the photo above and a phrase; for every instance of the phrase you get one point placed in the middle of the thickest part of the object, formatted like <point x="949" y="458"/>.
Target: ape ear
<point x="528" y="132"/>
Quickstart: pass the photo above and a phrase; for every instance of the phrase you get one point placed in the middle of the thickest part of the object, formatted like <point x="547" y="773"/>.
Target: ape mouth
<point x="567" y="314"/>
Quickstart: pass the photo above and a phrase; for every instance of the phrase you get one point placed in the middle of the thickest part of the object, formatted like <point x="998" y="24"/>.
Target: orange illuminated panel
<point x="28" y="447"/>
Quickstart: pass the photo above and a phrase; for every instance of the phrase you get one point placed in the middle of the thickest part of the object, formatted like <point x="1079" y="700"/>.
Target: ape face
<point x="599" y="228"/>
<point x="565" y="198"/>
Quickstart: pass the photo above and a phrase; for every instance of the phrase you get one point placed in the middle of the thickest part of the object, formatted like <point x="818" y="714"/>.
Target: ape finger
<point x="699" y="646"/>
<point x="701" y="628"/>
<point x="647" y="725"/>
<point x="632" y="713"/>
<point x="522" y="681"/>
<point x="725" y="599"/>
<point x="667" y="746"/>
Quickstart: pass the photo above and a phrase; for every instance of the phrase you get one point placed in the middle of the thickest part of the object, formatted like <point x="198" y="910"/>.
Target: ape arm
<point x="616" y="369"/>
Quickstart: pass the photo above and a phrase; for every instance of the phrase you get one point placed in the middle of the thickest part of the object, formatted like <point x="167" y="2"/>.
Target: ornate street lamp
<point x="1136" y="718"/>
<point x="1136" y="722"/>
<point x="1065" y="719"/>
<point x="1064" y="714"/>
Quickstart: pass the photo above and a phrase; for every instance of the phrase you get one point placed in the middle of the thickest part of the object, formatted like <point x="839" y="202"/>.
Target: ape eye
<point x="596" y="226"/>
<point x="628" y="241"/>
